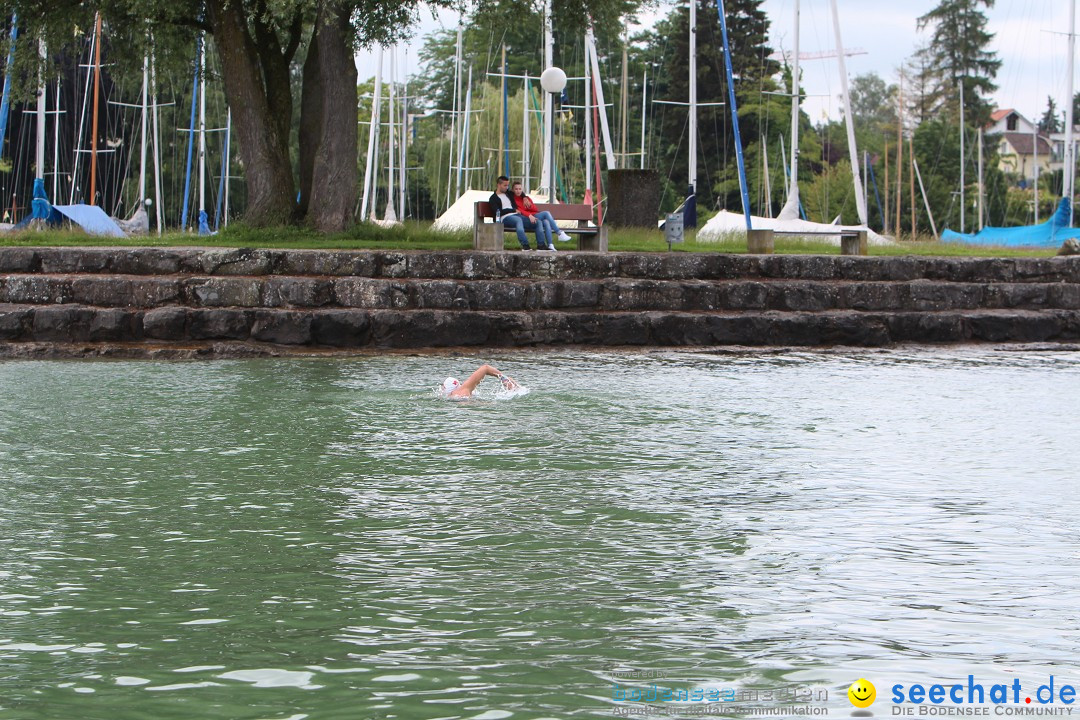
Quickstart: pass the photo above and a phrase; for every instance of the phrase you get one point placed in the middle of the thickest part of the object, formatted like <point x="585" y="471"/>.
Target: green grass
<point x="419" y="236"/>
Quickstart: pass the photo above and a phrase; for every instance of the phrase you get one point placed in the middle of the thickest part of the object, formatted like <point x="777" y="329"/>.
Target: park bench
<point x="487" y="235"/>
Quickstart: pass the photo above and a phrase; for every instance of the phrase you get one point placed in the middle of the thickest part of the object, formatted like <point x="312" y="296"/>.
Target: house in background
<point x="1021" y="147"/>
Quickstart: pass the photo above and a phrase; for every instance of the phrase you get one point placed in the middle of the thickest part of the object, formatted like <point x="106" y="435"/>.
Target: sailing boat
<point x="725" y="223"/>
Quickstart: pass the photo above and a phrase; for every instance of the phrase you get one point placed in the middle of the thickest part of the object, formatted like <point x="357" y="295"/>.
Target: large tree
<point x="258" y="43"/>
<point x="960" y="58"/>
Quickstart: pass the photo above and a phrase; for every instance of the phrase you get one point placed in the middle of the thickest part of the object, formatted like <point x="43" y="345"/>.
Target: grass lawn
<point x="419" y="236"/>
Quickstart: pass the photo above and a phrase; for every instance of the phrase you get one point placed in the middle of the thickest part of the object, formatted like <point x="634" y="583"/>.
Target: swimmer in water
<point x="454" y="388"/>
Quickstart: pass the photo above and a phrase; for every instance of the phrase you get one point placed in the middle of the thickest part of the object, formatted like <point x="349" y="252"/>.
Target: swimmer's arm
<point x="473" y="380"/>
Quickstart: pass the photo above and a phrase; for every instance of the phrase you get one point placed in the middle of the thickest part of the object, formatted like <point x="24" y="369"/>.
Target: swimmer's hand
<point x="507" y="382"/>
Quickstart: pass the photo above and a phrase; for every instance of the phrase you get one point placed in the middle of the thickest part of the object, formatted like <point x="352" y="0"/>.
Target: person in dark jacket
<point x="502" y="206"/>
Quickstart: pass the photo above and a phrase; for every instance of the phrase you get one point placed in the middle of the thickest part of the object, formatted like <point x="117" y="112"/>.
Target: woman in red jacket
<point x="527" y="207"/>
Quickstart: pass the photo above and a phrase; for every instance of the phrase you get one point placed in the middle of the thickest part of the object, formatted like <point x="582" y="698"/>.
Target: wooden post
<point x="899" y="152"/>
<point x="885" y="219"/>
<point x="97" y="92"/>
<point x="759" y="242"/>
<point x="911" y="182"/>
<point x="855" y="244"/>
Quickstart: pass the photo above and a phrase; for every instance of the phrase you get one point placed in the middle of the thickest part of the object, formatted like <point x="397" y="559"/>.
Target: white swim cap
<point x="449" y="385"/>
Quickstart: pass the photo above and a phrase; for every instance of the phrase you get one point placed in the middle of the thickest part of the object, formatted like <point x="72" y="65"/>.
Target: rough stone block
<point x="284" y="327"/>
<point x="326" y="262"/>
<point x="36" y="289"/>
<point x="15" y="322"/>
<point x="62" y="323"/>
<point x="224" y="291"/>
<point x="76" y="259"/>
<point x="19" y="260"/>
<point x="165" y="323"/>
<point x="146" y="261"/>
<point x="238" y="261"/>
<point x="341" y="328"/>
<point x="113" y="325"/>
<point x="281" y="291"/>
<point x="219" y="324"/>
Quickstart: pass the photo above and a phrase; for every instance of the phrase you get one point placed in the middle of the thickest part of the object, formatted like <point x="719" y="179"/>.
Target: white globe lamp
<point x="553" y="80"/>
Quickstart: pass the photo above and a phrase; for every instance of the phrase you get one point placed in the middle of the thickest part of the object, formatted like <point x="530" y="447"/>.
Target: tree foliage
<point x="959" y="58"/>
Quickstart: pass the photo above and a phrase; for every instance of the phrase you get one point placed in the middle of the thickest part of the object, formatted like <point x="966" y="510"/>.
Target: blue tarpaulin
<point x="90" y="218"/>
<point x="1051" y="233"/>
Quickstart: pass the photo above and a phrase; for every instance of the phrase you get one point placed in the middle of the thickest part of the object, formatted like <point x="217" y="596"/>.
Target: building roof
<point x="1024" y="143"/>
<point x="1000" y="113"/>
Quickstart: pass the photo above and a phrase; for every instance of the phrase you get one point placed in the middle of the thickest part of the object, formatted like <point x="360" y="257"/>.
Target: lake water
<point x="325" y="538"/>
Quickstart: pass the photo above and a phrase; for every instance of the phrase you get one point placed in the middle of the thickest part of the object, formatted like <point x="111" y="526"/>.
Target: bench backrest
<point x="558" y="211"/>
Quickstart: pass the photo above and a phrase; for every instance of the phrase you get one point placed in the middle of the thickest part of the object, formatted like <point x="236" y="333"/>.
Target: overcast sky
<point x="1029" y="37"/>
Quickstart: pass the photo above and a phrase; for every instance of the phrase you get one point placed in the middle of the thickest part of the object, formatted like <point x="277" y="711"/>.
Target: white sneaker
<point x="549" y="248"/>
<point x="563" y="237"/>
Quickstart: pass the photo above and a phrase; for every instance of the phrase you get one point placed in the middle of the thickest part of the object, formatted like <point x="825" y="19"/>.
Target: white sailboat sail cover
<point x="459" y="216"/>
<point x="725" y="223"/>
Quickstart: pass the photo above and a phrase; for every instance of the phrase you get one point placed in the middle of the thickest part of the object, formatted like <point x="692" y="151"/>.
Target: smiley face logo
<point x="862" y="693"/>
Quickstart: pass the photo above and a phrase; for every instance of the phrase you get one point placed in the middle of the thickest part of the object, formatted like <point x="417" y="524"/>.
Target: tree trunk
<point x="262" y="107"/>
<point x="334" y="172"/>
<point x="311" y="121"/>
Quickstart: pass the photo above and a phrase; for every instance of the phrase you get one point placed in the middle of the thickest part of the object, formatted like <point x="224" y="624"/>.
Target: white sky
<point x="1030" y="40"/>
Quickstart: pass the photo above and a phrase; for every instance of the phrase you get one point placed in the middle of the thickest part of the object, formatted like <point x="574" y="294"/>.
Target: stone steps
<point x="87" y="300"/>
<point x="470" y="265"/>
<point x="613" y="294"/>
<point x="447" y="328"/>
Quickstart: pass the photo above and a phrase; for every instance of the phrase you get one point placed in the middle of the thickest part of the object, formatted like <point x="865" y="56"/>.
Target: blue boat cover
<point x="1051" y="233"/>
<point x="90" y="218"/>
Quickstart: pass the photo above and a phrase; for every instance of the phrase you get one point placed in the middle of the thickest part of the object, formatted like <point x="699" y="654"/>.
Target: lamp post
<point x="553" y="80"/>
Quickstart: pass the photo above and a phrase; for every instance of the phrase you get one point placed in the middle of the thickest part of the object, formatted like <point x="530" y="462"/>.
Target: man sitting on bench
<point x="503" y="209"/>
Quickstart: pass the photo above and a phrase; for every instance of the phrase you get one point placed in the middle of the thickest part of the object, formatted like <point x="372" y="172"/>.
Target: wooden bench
<point x="487" y="235"/>
<point x="852" y="242"/>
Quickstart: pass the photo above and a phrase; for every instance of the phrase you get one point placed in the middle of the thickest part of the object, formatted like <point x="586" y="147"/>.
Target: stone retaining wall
<point x="84" y="299"/>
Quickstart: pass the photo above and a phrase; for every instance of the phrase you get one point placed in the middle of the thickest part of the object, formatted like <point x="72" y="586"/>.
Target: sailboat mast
<point x="547" y="182"/>
<point x="82" y="124"/>
<point x="464" y="119"/>
<point x="373" y="134"/>
<point x="899" y="153"/>
<point x="790" y="209"/>
<point x="740" y="161"/>
<point x="963" y="198"/>
<point x="202" y="129"/>
<point x="454" y="116"/>
<point x="588" y="112"/>
<point x="157" y="149"/>
<point x="693" y="175"/>
<point x="56" y="148"/>
<point x="97" y="94"/>
<point x="1070" y="150"/>
<point x="625" y="91"/>
<point x="142" y="153"/>
<point x="853" y="152"/>
<point x="525" y="140"/>
<point x="644" y="108"/>
<point x="42" y="100"/>
<point x="404" y="144"/>
<point x="465" y="129"/>
<point x="228" y="163"/>
<point x="981" y="212"/>
<point x="390" y="214"/>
